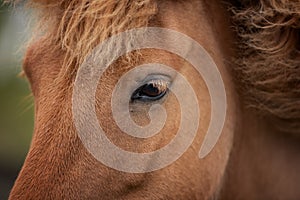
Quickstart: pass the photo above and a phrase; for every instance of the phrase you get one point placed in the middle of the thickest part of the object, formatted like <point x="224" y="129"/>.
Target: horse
<point x="255" y="46"/>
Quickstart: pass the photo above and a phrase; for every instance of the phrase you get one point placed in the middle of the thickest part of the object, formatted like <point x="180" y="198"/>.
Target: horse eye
<point x="151" y="91"/>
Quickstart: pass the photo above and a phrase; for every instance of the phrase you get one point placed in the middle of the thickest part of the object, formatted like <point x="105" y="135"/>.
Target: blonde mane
<point x="76" y="27"/>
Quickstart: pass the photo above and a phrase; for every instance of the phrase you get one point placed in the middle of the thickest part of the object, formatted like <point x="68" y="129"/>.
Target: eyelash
<point x="151" y="91"/>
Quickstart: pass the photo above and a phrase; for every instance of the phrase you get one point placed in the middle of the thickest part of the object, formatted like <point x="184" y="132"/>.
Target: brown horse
<point x="255" y="45"/>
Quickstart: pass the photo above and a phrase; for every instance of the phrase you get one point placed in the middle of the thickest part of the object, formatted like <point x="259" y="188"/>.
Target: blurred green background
<point x="16" y="102"/>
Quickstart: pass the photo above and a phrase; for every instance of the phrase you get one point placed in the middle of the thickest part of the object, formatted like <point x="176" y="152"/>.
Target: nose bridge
<point x="53" y="152"/>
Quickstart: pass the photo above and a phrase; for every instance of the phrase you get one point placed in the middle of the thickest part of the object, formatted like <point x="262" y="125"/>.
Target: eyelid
<point x="155" y="77"/>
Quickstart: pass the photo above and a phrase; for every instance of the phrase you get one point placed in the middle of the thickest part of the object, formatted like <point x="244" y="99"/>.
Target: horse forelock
<point x="77" y="27"/>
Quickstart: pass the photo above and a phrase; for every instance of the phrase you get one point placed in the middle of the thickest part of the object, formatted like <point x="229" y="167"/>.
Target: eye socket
<point x="151" y="91"/>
